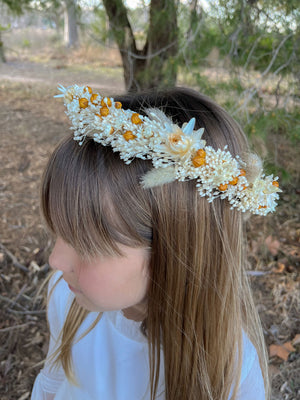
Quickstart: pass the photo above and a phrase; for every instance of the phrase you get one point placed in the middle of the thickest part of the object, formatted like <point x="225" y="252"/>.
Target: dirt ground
<point x="32" y="122"/>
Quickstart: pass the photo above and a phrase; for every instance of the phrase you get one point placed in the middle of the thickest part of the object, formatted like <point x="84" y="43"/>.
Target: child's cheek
<point x="92" y="283"/>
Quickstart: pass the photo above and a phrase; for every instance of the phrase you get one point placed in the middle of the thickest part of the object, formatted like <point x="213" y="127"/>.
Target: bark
<point x="2" y="54"/>
<point x="70" y="24"/>
<point x="153" y="66"/>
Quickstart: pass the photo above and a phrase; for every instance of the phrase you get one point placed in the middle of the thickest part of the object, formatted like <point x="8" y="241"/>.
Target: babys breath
<point x="176" y="152"/>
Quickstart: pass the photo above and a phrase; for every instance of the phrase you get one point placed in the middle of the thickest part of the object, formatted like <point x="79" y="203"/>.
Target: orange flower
<point x="128" y="135"/>
<point x="222" y="187"/>
<point x="104" y="111"/>
<point x="83" y="103"/>
<point x="234" y="181"/>
<point x="118" y="104"/>
<point x="242" y="172"/>
<point x="89" y="89"/>
<point x="199" y="159"/>
<point x="107" y="103"/>
<point x="275" y="183"/>
<point x="94" y="97"/>
<point x="201" y="153"/>
<point x="135" y="119"/>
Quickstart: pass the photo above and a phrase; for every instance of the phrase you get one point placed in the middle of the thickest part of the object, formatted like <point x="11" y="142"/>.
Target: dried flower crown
<point x="176" y="153"/>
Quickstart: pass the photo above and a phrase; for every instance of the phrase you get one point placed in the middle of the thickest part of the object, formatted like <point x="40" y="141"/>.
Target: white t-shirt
<point x="111" y="362"/>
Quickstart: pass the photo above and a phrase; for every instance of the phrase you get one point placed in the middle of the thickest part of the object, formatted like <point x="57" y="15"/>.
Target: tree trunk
<point x="162" y="45"/>
<point x="2" y="55"/>
<point x="153" y="66"/>
<point x="70" y="24"/>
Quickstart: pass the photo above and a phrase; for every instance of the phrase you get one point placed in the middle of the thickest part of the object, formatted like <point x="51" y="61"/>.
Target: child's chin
<point x="85" y="304"/>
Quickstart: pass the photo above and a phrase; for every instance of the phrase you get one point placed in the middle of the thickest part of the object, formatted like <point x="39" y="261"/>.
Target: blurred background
<point x="243" y="54"/>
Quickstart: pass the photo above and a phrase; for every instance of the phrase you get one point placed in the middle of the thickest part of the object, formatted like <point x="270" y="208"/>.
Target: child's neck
<point x="136" y="313"/>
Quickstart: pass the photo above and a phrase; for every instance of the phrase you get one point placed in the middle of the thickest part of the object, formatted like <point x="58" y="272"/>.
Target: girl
<point x="150" y="299"/>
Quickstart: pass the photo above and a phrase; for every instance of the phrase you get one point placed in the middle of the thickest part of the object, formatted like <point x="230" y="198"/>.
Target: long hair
<point x="199" y="299"/>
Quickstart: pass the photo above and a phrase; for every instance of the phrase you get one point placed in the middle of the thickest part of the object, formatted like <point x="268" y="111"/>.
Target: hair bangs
<point x="84" y="201"/>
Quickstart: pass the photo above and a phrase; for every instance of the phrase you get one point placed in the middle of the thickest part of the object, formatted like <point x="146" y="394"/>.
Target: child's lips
<point x="73" y="289"/>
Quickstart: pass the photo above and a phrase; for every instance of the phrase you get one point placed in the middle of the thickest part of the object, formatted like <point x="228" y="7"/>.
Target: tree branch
<point x="13" y="327"/>
<point x="120" y="24"/>
<point x="233" y="38"/>
<point x="251" y="51"/>
<point x="152" y="55"/>
<point x="251" y="92"/>
<point x="14" y="260"/>
<point x="267" y="70"/>
<point x="285" y="64"/>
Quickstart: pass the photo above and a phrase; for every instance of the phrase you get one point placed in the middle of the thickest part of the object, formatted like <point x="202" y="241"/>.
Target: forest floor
<point x="31" y="124"/>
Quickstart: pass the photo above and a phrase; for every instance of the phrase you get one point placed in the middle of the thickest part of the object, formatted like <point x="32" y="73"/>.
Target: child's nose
<point x="62" y="257"/>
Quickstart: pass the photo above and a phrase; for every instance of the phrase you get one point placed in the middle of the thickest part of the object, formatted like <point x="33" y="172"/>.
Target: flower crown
<point x="176" y="153"/>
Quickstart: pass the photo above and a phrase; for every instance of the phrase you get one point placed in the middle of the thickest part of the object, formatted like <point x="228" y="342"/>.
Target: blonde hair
<point x="199" y="298"/>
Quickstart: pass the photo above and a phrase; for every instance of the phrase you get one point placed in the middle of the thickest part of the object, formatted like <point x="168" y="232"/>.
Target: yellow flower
<point x="94" y="98"/>
<point x="128" y="135"/>
<point x="199" y="158"/>
<point x="88" y="89"/>
<point x="135" y="119"/>
<point x="106" y="103"/>
<point x="83" y="103"/>
<point x="234" y="181"/>
<point x="104" y="111"/>
<point x="223" y="187"/>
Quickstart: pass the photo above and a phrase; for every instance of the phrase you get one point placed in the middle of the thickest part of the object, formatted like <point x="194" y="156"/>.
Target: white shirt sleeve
<point x="50" y="379"/>
<point x="252" y="383"/>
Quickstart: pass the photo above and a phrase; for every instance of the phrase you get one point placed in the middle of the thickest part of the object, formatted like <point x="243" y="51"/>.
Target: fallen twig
<point x="10" y="328"/>
<point x="11" y="302"/>
<point x="27" y="312"/>
<point x="19" y="294"/>
<point x="14" y="260"/>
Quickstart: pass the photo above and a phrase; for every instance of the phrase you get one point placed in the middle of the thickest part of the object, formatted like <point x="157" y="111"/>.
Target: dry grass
<point x="44" y="46"/>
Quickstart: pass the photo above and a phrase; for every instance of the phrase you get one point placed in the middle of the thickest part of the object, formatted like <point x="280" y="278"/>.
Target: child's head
<point x="95" y="202"/>
<point x="89" y="192"/>
<point x="197" y="297"/>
